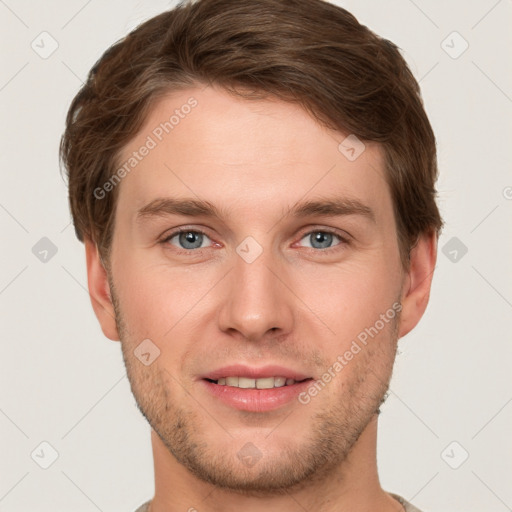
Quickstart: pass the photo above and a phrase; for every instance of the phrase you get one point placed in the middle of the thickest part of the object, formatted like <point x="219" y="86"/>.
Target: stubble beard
<point x="300" y="463"/>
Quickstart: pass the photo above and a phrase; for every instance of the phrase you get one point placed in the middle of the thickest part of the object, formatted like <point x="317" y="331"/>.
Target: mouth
<point x="250" y="383"/>
<point x="255" y="389"/>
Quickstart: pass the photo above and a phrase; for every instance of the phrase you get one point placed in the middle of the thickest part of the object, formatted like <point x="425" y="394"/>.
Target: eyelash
<point x="344" y="241"/>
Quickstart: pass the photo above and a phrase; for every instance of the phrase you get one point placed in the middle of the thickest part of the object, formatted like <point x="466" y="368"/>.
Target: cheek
<point x="140" y="295"/>
<point x="349" y="298"/>
<point x="158" y="301"/>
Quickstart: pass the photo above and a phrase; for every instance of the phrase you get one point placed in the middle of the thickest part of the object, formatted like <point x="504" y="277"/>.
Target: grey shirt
<point x="408" y="506"/>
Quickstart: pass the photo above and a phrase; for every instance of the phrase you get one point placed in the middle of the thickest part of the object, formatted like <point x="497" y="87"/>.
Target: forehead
<point x="243" y="153"/>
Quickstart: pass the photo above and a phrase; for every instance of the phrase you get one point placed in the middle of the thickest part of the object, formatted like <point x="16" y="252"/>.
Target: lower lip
<point x="256" y="400"/>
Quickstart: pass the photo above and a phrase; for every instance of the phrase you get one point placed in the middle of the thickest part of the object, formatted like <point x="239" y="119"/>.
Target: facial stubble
<point x="298" y="463"/>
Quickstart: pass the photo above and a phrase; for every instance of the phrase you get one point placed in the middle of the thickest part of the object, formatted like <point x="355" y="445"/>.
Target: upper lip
<point x="253" y="372"/>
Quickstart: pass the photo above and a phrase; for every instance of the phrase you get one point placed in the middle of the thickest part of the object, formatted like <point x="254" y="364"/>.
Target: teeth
<point x="267" y="383"/>
<point x="248" y="383"/>
<point x="244" y="382"/>
<point x="279" y="382"/>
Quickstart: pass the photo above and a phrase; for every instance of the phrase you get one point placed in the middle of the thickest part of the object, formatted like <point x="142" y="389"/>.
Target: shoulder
<point x="409" y="507"/>
<point x="143" y="508"/>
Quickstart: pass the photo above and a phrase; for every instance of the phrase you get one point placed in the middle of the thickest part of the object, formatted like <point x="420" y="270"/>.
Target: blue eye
<point x="322" y="239"/>
<point x="188" y="239"/>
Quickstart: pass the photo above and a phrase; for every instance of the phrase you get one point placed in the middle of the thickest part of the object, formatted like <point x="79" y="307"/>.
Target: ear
<point x="99" y="291"/>
<point x="416" y="289"/>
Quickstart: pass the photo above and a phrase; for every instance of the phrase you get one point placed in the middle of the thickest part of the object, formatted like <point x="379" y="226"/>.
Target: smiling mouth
<point x="251" y="383"/>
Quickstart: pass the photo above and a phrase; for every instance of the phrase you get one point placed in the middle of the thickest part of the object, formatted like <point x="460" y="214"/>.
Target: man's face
<point x="262" y="289"/>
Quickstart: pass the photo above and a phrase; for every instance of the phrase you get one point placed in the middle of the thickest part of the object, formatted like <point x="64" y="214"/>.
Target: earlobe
<point x="416" y="291"/>
<point x="99" y="292"/>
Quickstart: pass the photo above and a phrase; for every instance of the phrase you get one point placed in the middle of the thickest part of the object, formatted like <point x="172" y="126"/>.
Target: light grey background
<point x="62" y="382"/>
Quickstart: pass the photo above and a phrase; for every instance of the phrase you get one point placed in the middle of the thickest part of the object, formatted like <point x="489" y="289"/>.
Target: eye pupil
<point x="191" y="237"/>
<point x="321" y="238"/>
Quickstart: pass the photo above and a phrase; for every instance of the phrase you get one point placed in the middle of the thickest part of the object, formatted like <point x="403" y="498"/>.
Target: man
<point x="254" y="182"/>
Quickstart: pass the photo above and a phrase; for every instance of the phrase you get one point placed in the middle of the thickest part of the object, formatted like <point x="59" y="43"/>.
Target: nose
<point x="256" y="301"/>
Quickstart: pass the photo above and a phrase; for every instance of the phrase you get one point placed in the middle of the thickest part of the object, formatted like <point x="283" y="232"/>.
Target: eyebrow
<point x="190" y="207"/>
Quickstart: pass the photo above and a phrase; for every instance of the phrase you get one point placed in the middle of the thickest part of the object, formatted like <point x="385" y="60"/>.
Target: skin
<point x="296" y="305"/>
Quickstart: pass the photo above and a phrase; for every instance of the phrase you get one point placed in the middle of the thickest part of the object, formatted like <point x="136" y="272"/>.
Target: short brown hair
<point x="309" y="52"/>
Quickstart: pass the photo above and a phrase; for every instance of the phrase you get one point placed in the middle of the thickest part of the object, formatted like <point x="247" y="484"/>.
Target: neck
<point x="352" y="486"/>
